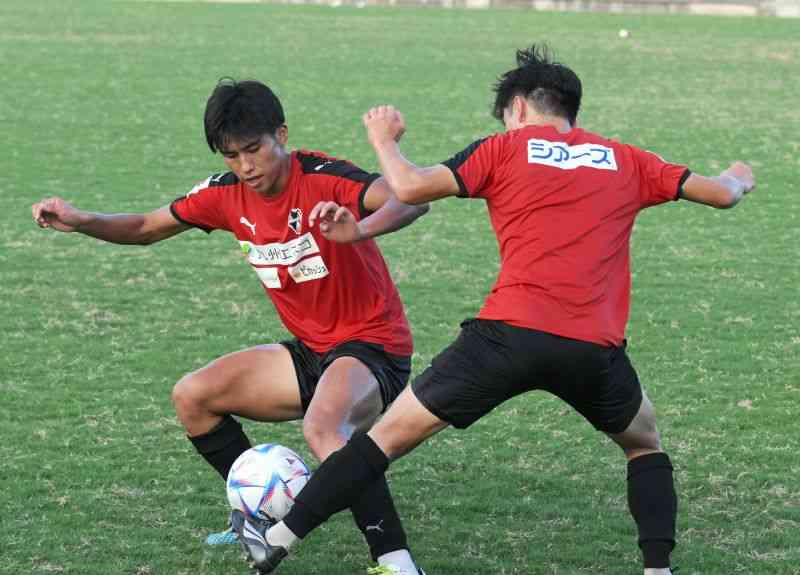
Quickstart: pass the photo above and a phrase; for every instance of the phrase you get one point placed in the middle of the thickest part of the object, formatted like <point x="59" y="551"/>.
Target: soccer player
<point x="350" y="356"/>
<point x="562" y="202"/>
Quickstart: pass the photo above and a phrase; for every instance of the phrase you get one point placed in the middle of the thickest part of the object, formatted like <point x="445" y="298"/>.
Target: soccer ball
<point x="264" y="481"/>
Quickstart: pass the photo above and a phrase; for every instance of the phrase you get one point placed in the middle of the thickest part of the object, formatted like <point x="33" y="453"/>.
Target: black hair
<point x="549" y="86"/>
<point x="240" y="111"/>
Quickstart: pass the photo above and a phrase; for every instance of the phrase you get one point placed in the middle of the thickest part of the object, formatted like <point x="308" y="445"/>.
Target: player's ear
<point x="520" y="109"/>
<point x="282" y="134"/>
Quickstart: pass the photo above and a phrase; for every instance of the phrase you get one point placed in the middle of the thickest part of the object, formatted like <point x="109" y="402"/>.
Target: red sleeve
<point x="659" y="181"/>
<point x="201" y="207"/>
<point x="474" y="166"/>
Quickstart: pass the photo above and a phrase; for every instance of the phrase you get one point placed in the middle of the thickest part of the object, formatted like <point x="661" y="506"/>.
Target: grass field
<point x="101" y="102"/>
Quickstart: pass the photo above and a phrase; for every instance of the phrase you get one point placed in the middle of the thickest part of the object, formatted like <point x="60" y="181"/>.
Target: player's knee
<point x="322" y="438"/>
<point x="188" y="393"/>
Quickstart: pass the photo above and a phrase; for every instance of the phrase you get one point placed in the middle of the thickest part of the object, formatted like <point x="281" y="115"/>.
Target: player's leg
<point x="652" y="500"/>
<point x="602" y="385"/>
<point x="344" y="476"/>
<point x="258" y="383"/>
<point x="464" y="382"/>
<point x="339" y="483"/>
<point x="349" y="398"/>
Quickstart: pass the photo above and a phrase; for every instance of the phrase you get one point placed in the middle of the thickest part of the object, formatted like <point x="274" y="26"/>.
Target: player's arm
<point x="411" y="184"/>
<point x="139" y="229"/>
<point x="723" y="191"/>
<point x="337" y="223"/>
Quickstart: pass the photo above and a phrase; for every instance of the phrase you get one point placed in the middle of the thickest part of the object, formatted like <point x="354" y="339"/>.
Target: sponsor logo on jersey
<point x="245" y="221"/>
<point x="283" y="254"/>
<point x="267" y="260"/>
<point x="565" y="157"/>
<point x="296" y="220"/>
<point x="269" y="277"/>
<point x="307" y="270"/>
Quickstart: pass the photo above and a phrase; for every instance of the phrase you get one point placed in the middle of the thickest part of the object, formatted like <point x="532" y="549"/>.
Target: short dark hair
<point x="549" y="86"/>
<point x="239" y="111"/>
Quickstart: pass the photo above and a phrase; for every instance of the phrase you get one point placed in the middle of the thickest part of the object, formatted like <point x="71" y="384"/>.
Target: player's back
<point x="562" y="206"/>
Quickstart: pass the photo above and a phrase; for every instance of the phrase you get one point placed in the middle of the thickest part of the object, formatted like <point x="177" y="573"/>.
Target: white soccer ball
<point x="265" y="480"/>
<point x="623" y="33"/>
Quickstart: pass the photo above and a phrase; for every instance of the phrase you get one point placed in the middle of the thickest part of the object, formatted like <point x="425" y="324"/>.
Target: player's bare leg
<point x="404" y="426"/>
<point x="258" y="383"/>
<point x="651" y="492"/>
<point x="348" y="399"/>
<point x="347" y="473"/>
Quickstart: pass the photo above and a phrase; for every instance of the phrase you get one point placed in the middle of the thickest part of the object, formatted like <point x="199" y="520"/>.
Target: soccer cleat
<point x="393" y="570"/>
<point x="227" y="537"/>
<point x="252" y="534"/>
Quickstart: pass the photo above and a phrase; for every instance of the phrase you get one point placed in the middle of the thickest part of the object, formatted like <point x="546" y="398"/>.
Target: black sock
<point x="339" y="483"/>
<point x="654" y="506"/>
<point x="222" y="445"/>
<point x="376" y="517"/>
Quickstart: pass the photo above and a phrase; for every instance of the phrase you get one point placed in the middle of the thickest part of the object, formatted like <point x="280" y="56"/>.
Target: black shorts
<point x="492" y="361"/>
<point x="391" y="371"/>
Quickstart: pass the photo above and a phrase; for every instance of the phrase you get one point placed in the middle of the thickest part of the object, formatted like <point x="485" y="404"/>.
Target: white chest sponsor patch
<point x="282" y="254"/>
<point x="288" y="254"/>
<point x="310" y="269"/>
<point x="566" y="157"/>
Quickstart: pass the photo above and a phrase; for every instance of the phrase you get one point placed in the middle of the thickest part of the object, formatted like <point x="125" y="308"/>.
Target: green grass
<point x="101" y="102"/>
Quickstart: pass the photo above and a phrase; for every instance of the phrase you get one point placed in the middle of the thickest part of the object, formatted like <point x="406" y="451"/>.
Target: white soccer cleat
<point x="390" y="569"/>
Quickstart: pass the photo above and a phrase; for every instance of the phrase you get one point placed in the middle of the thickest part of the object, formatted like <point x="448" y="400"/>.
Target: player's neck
<point x="557" y="122"/>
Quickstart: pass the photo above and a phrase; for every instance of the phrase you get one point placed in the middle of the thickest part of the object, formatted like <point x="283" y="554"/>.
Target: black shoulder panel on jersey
<point x="312" y="164"/>
<point x="362" y="208"/>
<point x="223" y="179"/>
<point x="461" y="157"/>
<point x="456" y="161"/>
<point x="682" y="181"/>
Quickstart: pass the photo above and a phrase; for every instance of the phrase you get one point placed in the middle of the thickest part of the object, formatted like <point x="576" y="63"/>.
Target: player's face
<point x="259" y="162"/>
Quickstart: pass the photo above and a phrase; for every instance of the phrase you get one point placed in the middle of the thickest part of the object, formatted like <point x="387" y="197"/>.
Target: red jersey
<point x="562" y="206"/>
<point x="325" y="293"/>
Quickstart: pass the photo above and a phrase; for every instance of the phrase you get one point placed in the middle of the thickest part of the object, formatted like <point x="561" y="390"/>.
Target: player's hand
<point x="337" y="223"/>
<point x="384" y="124"/>
<point x="57" y="214"/>
<point x="743" y="173"/>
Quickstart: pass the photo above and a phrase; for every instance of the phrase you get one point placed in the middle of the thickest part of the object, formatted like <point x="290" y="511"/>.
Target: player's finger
<point x="340" y="214"/>
<point x="314" y="213"/>
<point x="330" y="207"/>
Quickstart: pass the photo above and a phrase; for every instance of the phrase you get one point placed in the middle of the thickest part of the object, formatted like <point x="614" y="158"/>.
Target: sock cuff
<point x="370" y="452"/>
<point x="656" y="553"/>
<point x="219" y="437"/>
<point x="648" y="462"/>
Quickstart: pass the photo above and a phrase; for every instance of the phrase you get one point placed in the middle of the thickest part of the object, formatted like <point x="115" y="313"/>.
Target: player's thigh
<point x="258" y="383"/>
<point x="474" y="374"/>
<point x="347" y="398"/>
<point x="405" y="425"/>
<point x="598" y="382"/>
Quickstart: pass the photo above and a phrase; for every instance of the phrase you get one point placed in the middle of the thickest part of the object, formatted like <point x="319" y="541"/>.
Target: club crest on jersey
<point x="296" y="220"/>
